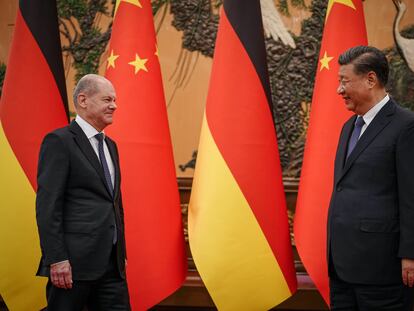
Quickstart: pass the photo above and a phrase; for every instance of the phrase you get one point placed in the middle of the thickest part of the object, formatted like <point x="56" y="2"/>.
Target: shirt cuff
<point x="59" y="262"/>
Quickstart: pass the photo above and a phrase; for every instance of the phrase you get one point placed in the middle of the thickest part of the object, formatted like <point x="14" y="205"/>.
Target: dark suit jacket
<point x="75" y="211"/>
<point x="371" y="214"/>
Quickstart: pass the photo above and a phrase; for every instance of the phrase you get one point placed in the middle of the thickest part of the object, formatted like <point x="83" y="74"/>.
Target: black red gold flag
<point x="238" y="225"/>
<point x="33" y="102"/>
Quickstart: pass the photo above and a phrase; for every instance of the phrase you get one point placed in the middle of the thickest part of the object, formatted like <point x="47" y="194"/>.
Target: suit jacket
<point x="371" y="213"/>
<point x="75" y="211"/>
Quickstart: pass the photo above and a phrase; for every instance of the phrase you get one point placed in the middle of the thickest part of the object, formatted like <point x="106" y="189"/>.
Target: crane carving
<point x="273" y="24"/>
<point x="405" y="45"/>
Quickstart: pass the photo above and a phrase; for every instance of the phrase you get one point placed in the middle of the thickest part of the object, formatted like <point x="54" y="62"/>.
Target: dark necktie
<point x="355" y="135"/>
<point x="104" y="163"/>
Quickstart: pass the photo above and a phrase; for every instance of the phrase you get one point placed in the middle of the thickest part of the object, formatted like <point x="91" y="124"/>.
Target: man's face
<point x="354" y="89"/>
<point x="100" y="106"/>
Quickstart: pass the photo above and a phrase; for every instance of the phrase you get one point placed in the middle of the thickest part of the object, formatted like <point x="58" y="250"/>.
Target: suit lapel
<point x="343" y="144"/>
<point x="114" y="156"/>
<point x="85" y="146"/>
<point x="381" y="120"/>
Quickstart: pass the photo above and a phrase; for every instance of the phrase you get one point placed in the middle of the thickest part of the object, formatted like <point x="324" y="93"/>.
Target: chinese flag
<point x="33" y="103"/>
<point x="154" y="233"/>
<point x="238" y="225"/>
<point x="344" y="28"/>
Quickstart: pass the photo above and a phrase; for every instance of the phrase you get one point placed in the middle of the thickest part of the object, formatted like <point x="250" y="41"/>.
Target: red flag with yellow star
<point x="344" y="28"/>
<point x="154" y="235"/>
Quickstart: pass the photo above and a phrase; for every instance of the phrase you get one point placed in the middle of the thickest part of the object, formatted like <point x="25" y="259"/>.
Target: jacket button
<point x="339" y="188"/>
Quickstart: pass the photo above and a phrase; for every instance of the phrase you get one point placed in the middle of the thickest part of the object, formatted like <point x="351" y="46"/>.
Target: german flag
<point x="238" y="226"/>
<point x="344" y="28"/>
<point x="157" y="264"/>
<point x="33" y="103"/>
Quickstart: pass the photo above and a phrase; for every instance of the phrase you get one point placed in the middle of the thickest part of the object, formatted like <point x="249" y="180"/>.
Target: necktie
<point x="355" y="135"/>
<point x="104" y="163"/>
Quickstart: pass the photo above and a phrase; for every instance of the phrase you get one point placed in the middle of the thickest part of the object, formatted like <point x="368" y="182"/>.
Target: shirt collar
<point x="370" y="115"/>
<point x="86" y="127"/>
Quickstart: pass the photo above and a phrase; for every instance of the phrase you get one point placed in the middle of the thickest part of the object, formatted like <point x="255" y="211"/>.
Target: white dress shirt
<point x="370" y="114"/>
<point x="90" y="132"/>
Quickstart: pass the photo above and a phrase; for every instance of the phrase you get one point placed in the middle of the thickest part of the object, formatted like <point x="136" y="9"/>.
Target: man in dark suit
<point x="371" y="214"/>
<point x="79" y="207"/>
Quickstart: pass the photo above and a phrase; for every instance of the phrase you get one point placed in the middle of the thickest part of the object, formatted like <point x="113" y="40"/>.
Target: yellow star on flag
<point x="134" y="2"/>
<point x="139" y="64"/>
<point x="156" y="50"/>
<point x="344" y="2"/>
<point x="111" y="60"/>
<point x="325" y="61"/>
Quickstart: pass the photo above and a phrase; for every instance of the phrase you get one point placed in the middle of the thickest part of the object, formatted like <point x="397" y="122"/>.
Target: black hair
<point x="366" y="59"/>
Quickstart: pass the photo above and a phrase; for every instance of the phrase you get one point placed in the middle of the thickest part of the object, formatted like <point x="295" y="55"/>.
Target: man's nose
<point x="340" y="89"/>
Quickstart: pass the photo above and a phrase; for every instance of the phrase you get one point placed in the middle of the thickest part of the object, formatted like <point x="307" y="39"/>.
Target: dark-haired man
<point x="371" y="214"/>
<point x="79" y="208"/>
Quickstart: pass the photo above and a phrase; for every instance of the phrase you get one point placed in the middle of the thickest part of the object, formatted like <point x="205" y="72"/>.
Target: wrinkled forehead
<point x="346" y="71"/>
<point x="105" y="88"/>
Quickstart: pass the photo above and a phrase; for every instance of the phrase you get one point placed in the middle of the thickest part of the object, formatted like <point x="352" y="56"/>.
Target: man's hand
<point x="61" y="274"/>
<point x="408" y="271"/>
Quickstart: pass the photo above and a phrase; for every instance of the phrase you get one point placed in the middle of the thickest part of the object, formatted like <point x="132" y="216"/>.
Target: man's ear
<point x="372" y="79"/>
<point x="82" y="100"/>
